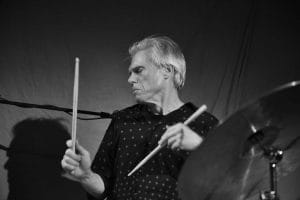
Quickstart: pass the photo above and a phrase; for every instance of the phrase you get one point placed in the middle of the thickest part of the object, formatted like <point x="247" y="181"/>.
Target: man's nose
<point x="131" y="78"/>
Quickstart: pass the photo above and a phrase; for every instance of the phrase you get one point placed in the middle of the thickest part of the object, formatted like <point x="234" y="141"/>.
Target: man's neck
<point x="166" y="103"/>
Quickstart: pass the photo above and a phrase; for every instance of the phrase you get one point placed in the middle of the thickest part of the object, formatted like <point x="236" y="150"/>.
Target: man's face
<point x="145" y="78"/>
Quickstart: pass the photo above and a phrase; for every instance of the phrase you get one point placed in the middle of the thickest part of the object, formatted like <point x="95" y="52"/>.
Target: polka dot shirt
<point x="131" y="135"/>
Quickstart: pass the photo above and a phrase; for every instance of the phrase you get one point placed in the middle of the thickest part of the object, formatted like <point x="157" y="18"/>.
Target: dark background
<point x="235" y="51"/>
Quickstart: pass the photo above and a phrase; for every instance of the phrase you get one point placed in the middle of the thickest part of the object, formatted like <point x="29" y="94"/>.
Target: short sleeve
<point x="204" y="124"/>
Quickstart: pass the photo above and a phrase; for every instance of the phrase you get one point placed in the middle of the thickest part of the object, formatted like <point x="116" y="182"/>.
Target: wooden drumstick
<point x="75" y="103"/>
<point x="160" y="146"/>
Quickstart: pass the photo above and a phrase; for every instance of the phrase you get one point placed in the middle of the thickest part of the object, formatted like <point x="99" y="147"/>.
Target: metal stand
<point x="274" y="155"/>
<point x="102" y="115"/>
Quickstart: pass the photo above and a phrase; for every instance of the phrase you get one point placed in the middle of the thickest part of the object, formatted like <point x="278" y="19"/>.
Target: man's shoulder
<point x="130" y="110"/>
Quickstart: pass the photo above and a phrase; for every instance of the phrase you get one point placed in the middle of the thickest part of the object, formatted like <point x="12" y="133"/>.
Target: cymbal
<point x="231" y="163"/>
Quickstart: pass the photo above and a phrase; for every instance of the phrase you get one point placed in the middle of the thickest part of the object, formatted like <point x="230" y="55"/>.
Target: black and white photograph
<point x="149" y="100"/>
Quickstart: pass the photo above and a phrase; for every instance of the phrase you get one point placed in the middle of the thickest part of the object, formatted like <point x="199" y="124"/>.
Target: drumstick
<point x="160" y="146"/>
<point x="75" y="103"/>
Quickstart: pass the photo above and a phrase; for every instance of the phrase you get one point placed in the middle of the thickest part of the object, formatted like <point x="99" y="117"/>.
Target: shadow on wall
<point x="34" y="155"/>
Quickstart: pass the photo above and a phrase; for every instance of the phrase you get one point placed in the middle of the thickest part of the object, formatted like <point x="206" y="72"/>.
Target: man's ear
<point x="167" y="71"/>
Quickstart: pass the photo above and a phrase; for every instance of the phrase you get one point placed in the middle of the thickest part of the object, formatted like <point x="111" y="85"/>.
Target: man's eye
<point x="138" y="70"/>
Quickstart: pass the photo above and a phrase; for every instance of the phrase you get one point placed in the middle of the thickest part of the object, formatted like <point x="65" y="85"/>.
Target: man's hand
<point x="180" y="136"/>
<point x="78" y="168"/>
<point x="77" y="165"/>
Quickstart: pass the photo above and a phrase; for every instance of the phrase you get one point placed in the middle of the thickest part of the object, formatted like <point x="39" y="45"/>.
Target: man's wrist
<point x="87" y="176"/>
<point x="92" y="183"/>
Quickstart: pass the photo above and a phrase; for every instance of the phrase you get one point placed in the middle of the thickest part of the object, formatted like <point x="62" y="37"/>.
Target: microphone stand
<point x="102" y="115"/>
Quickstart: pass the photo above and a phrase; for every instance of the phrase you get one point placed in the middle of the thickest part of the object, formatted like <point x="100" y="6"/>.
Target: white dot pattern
<point x="131" y="135"/>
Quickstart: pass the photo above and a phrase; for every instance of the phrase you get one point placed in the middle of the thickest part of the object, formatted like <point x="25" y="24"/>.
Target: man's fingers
<point x="174" y="130"/>
<point x="170" y="132"/>
<point x="166" y="137"/>
<point x="81" y="149"/>
<point x="173" y="139"/>
<point x="73" y="155"/>
<point x="69" y="143"/>
<point x="176" y="144"/>
<point x="66" y="166"/>
<point x="71" y="161"/>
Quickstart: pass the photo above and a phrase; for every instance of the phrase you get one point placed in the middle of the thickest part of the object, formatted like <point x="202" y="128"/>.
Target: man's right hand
<point x="76" y="165"/>
<point x="78" y="168"/>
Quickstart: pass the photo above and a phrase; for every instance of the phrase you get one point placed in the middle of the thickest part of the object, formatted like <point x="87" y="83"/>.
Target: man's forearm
<point x="93" y="184"/>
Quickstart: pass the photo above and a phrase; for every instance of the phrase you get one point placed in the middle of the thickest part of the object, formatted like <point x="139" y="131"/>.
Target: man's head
<point x="164" y="52"/>
<point x="155" y="59"/>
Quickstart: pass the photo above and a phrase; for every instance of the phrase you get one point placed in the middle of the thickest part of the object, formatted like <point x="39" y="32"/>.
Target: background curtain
<point x="235" y="52"/>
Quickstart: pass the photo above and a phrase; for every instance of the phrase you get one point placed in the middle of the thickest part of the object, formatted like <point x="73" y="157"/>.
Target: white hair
<point x="164" y="52"/>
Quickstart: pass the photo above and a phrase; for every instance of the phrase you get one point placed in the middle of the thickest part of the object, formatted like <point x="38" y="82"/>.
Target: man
<point x="156" y="74"/>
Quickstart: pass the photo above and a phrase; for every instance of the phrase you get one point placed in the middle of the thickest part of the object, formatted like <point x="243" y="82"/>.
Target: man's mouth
<point x="135" y="90"/>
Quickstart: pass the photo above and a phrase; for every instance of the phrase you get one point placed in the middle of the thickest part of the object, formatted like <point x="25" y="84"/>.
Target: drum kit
<point x="247" y="155"/>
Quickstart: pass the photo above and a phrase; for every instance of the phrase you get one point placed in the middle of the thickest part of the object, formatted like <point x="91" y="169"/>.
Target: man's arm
<point x="182" y="137"/>
<point x="78" y="168"/>
<point x="93" y="184"/>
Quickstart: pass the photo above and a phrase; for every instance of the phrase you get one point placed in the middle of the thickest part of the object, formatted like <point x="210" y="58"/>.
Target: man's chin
<point x="139" y="99"/>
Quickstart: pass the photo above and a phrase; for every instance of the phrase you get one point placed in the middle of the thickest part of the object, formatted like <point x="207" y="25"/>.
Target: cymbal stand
<point x="274" y="155"/>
